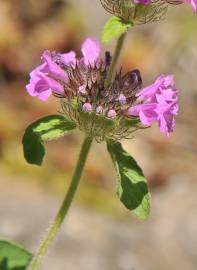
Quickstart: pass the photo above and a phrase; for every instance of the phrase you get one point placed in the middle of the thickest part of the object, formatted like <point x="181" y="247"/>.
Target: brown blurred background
<point x="99" y="232"/>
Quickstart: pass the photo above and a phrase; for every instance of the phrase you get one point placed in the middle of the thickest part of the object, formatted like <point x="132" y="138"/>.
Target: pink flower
<point x="41" y="85"/>
<point x="44" y="78"/>
<point x="157" y="102"/>
<point x="51" y="68"/>
<point x="51" y="75"/>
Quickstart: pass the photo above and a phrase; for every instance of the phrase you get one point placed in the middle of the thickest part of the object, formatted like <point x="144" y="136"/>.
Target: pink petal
<point x="162" y="124"/>
<point x="69" y="58"/>
<point x="52" y="84"/>
<point x="30" y="90"/>
<point x="135" y="110"/>
<point x="194" y="5"/>
<point x="168" y="80"/>
<point x="52" y="67"/>
<point x="45" y="95"/>
<point x="147" y="118"/>
<point x="146" y="113"/>
<point x="91" y="50"/>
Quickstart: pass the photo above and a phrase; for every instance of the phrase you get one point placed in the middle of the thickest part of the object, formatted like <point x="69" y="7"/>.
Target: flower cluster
<point x="112" y="112"/>
<point x="142" y="11"/>
<point x="157" y="103"/>
<point x="53" y="75"/>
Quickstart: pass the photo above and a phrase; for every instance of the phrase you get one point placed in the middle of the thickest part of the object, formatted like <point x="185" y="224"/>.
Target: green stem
<point x="115" y="59"/>
<point x="56" y="224"/>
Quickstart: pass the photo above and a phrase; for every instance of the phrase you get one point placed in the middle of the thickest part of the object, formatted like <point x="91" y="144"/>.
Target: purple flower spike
<point x="87" y="107"/>
<point x="111" y="114"/>
<point x="157" y="103"/>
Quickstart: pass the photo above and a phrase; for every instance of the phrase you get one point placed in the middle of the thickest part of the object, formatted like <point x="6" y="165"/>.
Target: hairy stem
<point x="56" y="224"/>
<point x="115" y="59"/>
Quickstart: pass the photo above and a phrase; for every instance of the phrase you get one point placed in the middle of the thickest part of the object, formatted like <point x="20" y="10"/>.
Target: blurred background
<point x="99" y="232"/>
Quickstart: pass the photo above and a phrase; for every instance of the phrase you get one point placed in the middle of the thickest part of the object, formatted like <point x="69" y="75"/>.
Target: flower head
<point x="112" y="112"/>
<point x="80" y="85"/>
<point x="157" y="103"/>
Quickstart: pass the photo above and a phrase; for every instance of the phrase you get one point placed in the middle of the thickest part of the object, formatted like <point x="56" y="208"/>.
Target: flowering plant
<point x="106" y="107"/>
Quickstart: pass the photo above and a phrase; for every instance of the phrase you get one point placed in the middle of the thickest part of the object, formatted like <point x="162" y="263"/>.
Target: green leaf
<point x="48" y="128"/>
<point x="132" y="186"/>
<point x="113" y="28"/>
<point x="13" y="257"/>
